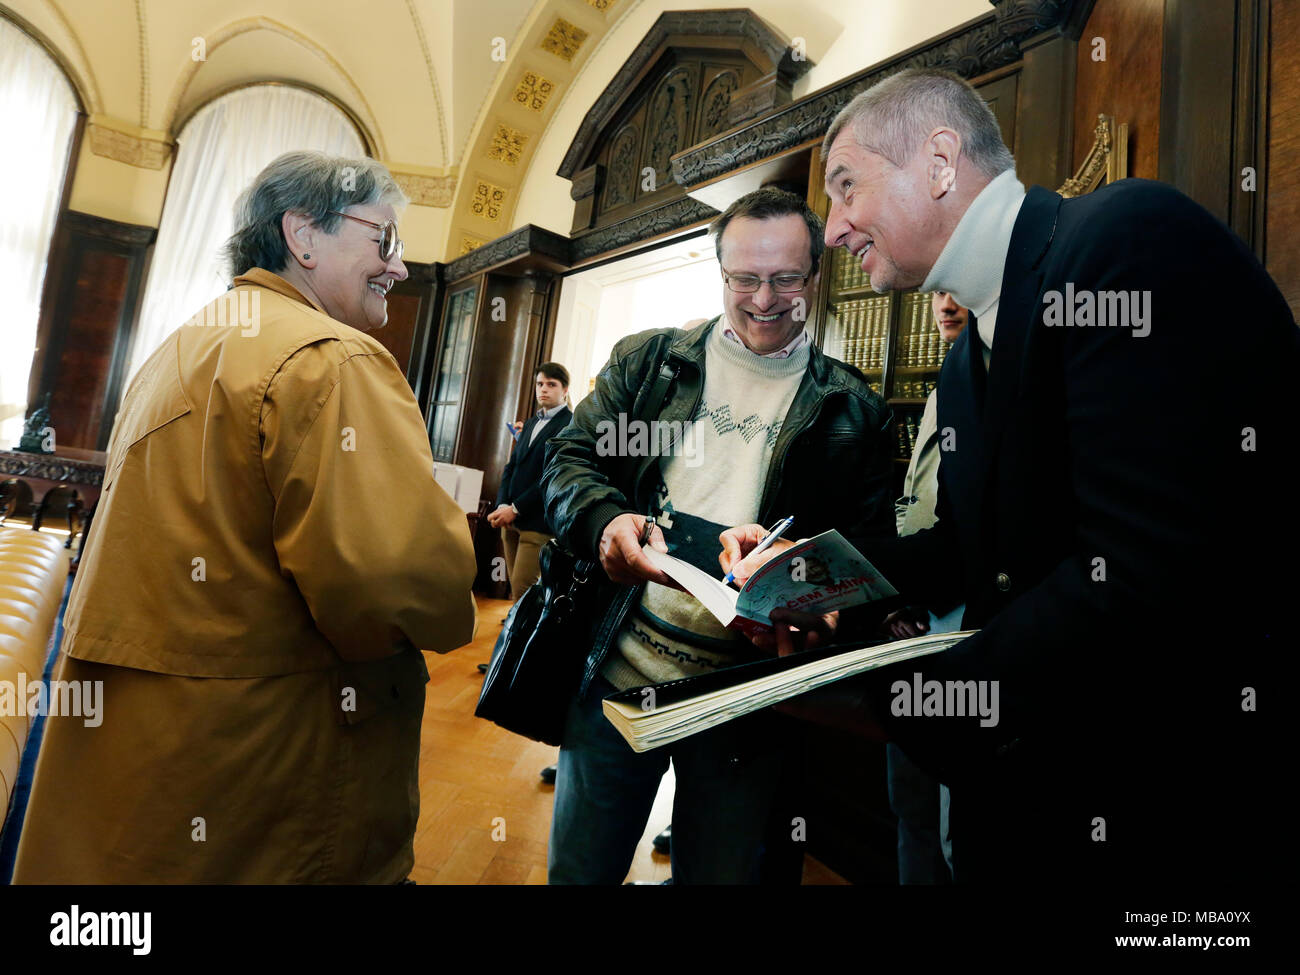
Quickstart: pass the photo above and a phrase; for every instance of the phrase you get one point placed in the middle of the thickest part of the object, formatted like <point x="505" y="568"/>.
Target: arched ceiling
<point x="142" y="67"/>
<point x="568" y="51"/>
<point x="471" y="103"/>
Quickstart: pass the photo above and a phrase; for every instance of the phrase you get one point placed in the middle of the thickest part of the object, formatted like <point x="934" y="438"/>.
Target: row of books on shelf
<point x="919" y="343"/>
<point x="906" y="429"/>
<point x="914" y="388"/>
<point x="864" y="326"/>
<point x="846" y="272"/>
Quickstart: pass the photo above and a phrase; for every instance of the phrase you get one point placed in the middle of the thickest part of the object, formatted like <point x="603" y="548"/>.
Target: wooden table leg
<point x="75" y="509"/>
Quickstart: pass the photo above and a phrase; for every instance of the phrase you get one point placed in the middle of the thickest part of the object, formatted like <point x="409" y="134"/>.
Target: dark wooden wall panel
<point x="1282" y="250"/>
<point x="498" y="390"/>
<point x="1198" y="100"/>
<point x="1042" y="134"/>
<point x="1213" y="120"/>
<point x="88" y="314"/>
<point x="91" y="326"/>
<point x="398" y="335"/>
<point x="412" y="317"/>
<point x="499" y="384"/>
<point x="1125" y="85"/>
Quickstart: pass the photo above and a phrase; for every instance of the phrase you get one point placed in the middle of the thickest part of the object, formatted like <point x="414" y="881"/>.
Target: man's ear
<point x="942" y="150"/>
<point x="300" y="237"/>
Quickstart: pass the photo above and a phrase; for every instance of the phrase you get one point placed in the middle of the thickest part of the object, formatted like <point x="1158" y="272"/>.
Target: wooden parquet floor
<point x="485" y="814"/>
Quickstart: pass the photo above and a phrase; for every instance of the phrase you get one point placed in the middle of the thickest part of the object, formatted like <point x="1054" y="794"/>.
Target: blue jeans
<point x="921" y="805"/>
<point x="727" y="778"/>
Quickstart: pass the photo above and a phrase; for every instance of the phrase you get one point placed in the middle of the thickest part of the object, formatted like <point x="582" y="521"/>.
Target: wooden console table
<point x="79" y="473"/>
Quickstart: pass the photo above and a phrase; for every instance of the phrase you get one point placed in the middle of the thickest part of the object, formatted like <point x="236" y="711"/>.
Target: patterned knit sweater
<point x="714" y="481"/>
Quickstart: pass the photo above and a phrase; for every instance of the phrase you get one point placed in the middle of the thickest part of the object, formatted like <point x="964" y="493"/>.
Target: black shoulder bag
<point x="537" y="662"/>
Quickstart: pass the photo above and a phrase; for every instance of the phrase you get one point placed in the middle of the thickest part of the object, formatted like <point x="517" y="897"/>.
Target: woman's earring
<point x="306" y="257"/>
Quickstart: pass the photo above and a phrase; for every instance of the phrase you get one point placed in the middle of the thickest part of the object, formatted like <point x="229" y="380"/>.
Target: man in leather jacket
<point x="775" y="428"/>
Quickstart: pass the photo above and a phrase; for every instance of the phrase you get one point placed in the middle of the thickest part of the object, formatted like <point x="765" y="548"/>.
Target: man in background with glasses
<point x="763" y="426"/>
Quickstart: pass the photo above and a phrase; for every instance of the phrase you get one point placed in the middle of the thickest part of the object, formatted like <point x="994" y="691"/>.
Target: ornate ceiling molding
<point x="971" y="50"/>
<point x="232" y="30"/>
<point x="545" y="57"/>
<point x="114" y="139"/>
<point x="730" y="24"/>
<point x="564" y="39"/>
<point x="424" y="187"/>
<point x="142" y="31"/>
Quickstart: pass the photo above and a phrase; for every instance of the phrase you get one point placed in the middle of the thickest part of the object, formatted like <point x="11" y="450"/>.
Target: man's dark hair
<point x="768" y="202"/>
<point x="553" y="370"/>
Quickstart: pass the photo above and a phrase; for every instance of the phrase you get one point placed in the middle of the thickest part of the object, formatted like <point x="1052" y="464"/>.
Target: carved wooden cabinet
<point x="697" y="73"/>
<point x="450" y="369"/>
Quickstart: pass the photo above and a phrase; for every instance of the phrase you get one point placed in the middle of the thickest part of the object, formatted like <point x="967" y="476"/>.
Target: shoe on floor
<point x="548" y="774"/>
<point x="663" y="843"/>
<point x="482" y="668"/>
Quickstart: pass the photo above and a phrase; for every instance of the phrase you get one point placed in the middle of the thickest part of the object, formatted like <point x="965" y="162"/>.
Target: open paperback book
<point x="659" y="714"/>
<point x="818" y="575"/>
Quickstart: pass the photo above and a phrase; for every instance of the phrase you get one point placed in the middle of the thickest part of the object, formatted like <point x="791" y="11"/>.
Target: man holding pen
<point x="1081" y="506"/>
<point x="763" y="426"/>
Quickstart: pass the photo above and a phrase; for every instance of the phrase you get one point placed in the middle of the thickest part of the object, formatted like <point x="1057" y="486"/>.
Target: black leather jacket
<point x="830" y="464"/>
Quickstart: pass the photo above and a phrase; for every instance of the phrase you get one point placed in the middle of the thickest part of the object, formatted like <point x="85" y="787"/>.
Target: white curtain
<point x="38" y="113"/>
<point x="219" y="153"/>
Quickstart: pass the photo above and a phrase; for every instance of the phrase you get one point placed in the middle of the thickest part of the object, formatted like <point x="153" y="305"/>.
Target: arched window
<point x="220" y="150"/>
<point x="38" y="114"/>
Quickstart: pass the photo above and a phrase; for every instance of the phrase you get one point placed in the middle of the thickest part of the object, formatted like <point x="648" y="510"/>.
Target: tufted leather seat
<point x="33" y="569"/>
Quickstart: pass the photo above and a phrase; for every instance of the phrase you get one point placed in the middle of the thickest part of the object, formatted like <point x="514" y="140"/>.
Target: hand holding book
<point x="816" y="576"/>
<point x="794" y="598"/>
<point x="621" y="553"/>
<point x="795" y="632"/>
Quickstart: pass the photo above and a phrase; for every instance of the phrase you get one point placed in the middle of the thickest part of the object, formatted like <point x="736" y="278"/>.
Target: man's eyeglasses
<point x="747" y="284"/>
<point x="390" y="245"/>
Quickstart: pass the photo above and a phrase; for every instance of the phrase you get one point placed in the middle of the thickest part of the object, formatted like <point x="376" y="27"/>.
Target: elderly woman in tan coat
<point x="269" y="558"/>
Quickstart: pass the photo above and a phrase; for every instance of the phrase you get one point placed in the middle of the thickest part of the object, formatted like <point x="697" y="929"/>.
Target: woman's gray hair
<point x="894" y="116"/>
<point x="313" y="183"/>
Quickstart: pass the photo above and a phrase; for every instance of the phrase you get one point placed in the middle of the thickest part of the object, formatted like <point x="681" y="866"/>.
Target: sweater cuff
<point x="594" y="522"/>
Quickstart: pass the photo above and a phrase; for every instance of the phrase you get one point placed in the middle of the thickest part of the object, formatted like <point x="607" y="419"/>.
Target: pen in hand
<point x="647" y="530"/>
<point x="762" y="546"/>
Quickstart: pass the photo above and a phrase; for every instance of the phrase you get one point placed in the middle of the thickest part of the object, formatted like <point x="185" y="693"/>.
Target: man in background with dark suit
<point x="1127" y="381"/>
<point x="519" y="513"/>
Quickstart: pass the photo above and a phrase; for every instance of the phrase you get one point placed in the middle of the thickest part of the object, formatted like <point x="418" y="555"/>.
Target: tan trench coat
<point x="269" y="557"/>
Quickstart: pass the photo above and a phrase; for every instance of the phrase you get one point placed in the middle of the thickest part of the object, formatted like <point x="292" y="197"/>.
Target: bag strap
<point x="654" y="402"/>
<point x="658" y="392"/>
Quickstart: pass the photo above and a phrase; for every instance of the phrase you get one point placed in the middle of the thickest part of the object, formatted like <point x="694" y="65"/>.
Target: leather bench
<point x="33" y="571"/>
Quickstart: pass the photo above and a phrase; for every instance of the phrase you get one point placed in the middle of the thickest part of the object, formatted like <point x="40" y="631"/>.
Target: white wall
<point x="667" y="287"/>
